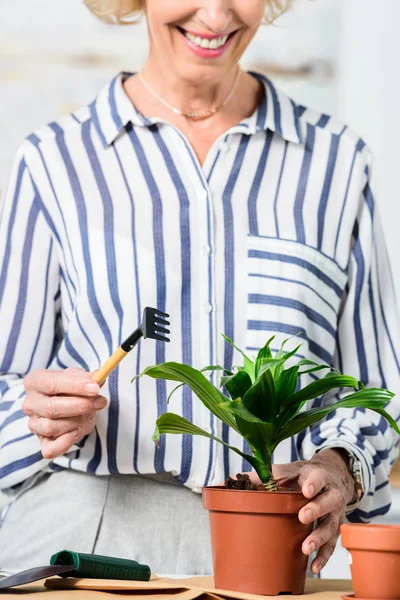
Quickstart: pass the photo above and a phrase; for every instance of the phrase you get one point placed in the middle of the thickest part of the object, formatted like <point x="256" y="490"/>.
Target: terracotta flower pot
<point x="256" y="540"/>
<point x="375" y="560"/>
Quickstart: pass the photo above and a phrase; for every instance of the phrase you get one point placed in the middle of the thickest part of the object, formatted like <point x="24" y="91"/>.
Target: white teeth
<point x="206" y="43"/>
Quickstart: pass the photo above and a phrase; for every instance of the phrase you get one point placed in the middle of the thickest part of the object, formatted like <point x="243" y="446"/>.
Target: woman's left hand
<point x="328" y="482"/>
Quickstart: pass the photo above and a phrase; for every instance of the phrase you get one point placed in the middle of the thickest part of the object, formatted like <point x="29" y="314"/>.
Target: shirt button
<point x="205" y="250"/>
<point x="201" y="194"/>
<point x="206" y="308"/>
<point x="224" y="147"/>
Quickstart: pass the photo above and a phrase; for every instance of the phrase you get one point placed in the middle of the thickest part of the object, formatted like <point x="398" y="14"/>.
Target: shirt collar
<point x="112" y="110"/>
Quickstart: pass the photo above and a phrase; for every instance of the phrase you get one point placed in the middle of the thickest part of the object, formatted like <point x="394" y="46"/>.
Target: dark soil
<point x="242" y="482"/>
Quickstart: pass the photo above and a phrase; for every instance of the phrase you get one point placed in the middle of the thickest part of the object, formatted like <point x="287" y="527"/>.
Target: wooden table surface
<point x="201" y="588"/>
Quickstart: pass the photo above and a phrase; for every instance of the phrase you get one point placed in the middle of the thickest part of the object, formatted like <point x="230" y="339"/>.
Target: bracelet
<point x="356" y="471"/>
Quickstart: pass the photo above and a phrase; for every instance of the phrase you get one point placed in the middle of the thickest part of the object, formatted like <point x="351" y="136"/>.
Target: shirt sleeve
<point x="29" y="291"/>
<point x="367" y="348"/>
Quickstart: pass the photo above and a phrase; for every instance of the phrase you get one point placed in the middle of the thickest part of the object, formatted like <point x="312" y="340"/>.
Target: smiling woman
<point x="124" y="12"/>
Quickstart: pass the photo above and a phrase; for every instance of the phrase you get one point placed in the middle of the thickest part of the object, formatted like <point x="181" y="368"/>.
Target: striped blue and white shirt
<point x="108" y="211"/>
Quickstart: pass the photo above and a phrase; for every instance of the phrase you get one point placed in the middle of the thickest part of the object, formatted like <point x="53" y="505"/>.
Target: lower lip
<point x="207" y="52"/>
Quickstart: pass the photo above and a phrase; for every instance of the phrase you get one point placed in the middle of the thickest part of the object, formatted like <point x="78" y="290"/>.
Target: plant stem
<point x="271" y="486"/>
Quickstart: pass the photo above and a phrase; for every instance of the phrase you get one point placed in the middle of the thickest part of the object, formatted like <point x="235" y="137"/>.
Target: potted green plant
<point x="256" y="536"/>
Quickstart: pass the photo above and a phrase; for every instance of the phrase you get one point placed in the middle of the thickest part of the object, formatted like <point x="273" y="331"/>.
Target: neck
<point x="187" y="95"/>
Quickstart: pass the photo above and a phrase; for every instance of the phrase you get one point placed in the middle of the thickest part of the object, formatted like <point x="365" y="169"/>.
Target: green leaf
<point x="285" y="385"/>
<point x="389" y="418"/>
<point x="174" y="390"/>
<point x="249" y="365"/>
<point x="257" y="433"/>
<point x="371" y="395"/>
<point x="260" y="398"/>
<point x="320" y="387"/>
<point x="215" y="368"/>
<point x="280" y="352"/>
<point x="372" y="398"/>
<point x="209" y="395"/>
<point x="314" y="367"/>
<point x="270" y="364"/>
<point x="306" y="362"/>
<point x="276" y="365"/>
<point x="292" y="405"/>
<point x="259" y="437"/>
<point x="263" y="353"/>
<point x="209" y="368"/>
<point x="238" y="408"/>
<point x="175" y="424"/>
<point x="237" y="385"/>
<point x="285" y="358"/>
<point x="231" y="343"/>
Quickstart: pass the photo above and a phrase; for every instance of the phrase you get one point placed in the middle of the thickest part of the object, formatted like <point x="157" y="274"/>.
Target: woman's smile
<point x="207" y="45"/>
<point x="208" y="34"/>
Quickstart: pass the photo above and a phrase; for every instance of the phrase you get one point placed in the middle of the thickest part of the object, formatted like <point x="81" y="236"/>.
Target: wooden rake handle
<point x="108" y="367"/>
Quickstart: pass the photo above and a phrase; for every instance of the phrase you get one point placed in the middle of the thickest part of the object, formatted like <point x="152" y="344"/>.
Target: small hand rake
<point x="153" y="326"/>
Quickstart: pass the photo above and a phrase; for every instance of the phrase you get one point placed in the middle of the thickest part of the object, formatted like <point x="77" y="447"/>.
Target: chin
<point x="194" y="72"/>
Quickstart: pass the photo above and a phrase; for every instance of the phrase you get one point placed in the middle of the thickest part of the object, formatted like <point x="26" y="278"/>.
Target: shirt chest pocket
<point x="293" y="289"/>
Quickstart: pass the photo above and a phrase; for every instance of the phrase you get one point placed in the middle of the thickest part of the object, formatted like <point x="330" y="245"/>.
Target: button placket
<point x="206" y="294"/>
<point x="203" y="304"/>
<point x="205" y="299"/>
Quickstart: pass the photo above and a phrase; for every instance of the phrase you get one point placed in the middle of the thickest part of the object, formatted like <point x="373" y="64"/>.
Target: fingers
<point x="59" y="407"/>
<point x="52" y="448"/>
<point x="288" y="471"/>
<point x="331" y="501"/>
<point x="254" y="478"/>
<point x="93" y="373"/>
<point x="288" y="483"/>
<point x="324" y="555"/>
<point x="53" y="428"/>
<point x="312" y="480"/>
<point x="328" y="508"/>
<point x="73" y="382"/>
<point x="328" y="529"/>
<point x="62" y="407"/>
<point x="324" y="539"/>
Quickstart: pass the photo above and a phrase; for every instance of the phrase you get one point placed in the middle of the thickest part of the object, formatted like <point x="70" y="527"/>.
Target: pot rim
<point x="372" y="525"/>
<point x="220" y="499"/>
<point x="379" y="537"/>
<point x="221" y="488"/>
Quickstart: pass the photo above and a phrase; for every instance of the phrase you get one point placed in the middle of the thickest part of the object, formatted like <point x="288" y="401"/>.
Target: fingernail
<point x="319" y="567"/>
<point x="309" y="515"/>
<point x="99" y="403"/>
<point x="311" y="490"/>
<point x="312" y="546"/>
<point x="92" y="388"/>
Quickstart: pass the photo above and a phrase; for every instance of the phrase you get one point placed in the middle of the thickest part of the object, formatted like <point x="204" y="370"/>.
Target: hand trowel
<point x="74" y="564"/>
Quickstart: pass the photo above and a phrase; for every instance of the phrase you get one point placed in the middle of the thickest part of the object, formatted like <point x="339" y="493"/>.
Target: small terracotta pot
<point x="375" y="560"/>
<point x="256" y="540"/>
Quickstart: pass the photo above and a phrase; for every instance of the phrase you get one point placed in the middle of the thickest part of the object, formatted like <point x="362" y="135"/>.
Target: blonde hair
<point x="126" y="12"/>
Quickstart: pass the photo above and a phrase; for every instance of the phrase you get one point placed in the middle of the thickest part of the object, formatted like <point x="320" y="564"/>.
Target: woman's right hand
<point x="62" y="407"/>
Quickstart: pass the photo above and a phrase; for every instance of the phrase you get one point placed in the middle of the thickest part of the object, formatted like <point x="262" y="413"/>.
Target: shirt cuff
<point x="367" y="474"/>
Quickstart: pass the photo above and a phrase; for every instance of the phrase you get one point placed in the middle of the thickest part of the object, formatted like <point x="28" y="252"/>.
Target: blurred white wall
<point x="368" y="97"/>
<point x="339" y="56"/>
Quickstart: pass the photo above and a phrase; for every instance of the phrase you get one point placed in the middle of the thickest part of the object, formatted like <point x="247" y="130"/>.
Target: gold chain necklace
<point x="202" y="114"/>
